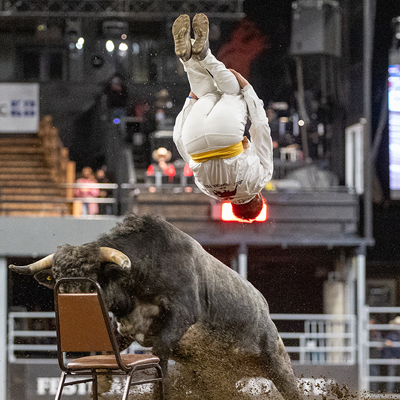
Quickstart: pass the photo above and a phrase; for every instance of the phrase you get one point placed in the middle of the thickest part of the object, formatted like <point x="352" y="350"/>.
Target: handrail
<point x="184" y="183"/>
<point x="123" y="194"/>
<point x="319" y="317"/>
<point x="91" y="185"/>
<point x="335" y="345"/>
<point x="99" y="200"/>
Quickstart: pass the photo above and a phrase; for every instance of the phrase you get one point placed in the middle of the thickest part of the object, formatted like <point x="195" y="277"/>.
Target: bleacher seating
<point x="30" y="185"/>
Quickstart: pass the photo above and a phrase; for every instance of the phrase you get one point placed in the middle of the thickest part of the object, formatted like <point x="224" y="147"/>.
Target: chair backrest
<point x="82" y="321"/>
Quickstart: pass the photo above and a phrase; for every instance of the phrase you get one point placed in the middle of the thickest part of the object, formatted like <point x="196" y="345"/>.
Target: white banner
<point x="19" y="107"/>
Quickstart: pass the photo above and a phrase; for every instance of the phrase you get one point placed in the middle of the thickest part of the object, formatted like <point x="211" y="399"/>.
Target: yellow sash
<point x="226" y="152"/>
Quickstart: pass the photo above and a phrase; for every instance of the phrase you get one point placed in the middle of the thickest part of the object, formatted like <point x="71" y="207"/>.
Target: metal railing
<point x="32" y="338"/>
<point x="315" y="339"/>
<point x="112" y="200"/>
<point x="123" y="195"/>
<point x="319" y="339"/>
<point x="379" y="374"/>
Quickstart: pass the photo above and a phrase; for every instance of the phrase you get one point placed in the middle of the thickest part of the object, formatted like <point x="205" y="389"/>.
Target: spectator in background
<point x="389" y="351"/>
<point x="87" y="176"/>
<point x="162" y="105"/>
<point x="101" y="177"/>
<point x="117" y="96"/>
<point x="162" y="156"/>
<point x="156" y="114"/>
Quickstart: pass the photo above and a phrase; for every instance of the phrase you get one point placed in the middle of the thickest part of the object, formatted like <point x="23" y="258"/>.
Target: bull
<point x="168" y="293"/>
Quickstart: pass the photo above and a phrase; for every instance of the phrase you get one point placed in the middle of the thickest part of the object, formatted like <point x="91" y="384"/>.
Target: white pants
<point x="219" y="117"/>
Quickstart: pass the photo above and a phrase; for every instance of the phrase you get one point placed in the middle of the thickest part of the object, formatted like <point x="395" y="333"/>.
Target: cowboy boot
<point x="181" y="34"/>
<point x="200" y="28"/>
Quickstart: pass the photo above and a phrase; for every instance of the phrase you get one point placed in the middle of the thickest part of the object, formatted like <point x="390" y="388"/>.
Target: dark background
<point x="273" y="17"/>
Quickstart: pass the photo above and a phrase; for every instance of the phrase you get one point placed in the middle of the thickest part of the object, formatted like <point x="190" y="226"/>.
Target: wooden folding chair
<point x="83" y="325"/>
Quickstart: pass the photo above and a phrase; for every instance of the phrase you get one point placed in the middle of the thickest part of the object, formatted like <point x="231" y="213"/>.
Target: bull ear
<point x="45" y="278"/>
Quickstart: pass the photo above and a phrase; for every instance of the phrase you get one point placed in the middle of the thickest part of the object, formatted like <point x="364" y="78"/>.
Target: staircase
<point x="26" y="184"/>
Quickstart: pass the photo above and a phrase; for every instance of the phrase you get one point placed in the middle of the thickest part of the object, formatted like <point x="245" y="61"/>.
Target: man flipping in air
<point x="209" y="130"/>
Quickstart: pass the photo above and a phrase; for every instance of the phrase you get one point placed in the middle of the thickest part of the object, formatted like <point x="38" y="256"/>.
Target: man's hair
<point x="250" y="210"/>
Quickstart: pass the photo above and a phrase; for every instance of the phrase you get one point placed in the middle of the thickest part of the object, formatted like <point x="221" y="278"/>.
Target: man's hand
<point x="245" y="142"/>
<point x="242" y="81"/>
<point x="193" y="96"/>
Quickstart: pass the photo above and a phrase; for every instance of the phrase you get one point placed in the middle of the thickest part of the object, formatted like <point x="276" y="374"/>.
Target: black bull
<point x="165" y="285"/>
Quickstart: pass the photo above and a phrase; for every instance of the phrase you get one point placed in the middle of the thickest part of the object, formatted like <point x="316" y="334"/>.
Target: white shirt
<point x="237" y="179"/>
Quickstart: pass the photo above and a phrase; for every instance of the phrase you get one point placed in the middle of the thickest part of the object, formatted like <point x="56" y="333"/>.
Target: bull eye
<point x="48" y="277"/>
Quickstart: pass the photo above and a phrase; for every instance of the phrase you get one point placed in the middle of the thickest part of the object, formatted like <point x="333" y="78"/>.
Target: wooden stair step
<point x="22" y="136"/>
<point x="50" y="191"/>
<point x="21" y="183"/>
<point x="26" y="184"/>
<point x="18" y="157"/>
<point x="19" y="142"/>
<point x="21" y="163"/>
<point x="24" y="170"/>
<point x="7" y="173"/>
<point x="33" y="206"/>
<point x="25" y="177"/>
<point x="25" y="213"/>
<point x="21" y="150"/>
<point x="27" y="198"/>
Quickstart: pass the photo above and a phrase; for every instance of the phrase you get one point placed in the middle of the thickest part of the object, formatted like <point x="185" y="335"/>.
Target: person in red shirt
<point x="162" y="156"/>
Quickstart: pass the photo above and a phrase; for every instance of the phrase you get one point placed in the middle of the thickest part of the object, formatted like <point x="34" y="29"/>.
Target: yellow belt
<point x="226" y="152"/>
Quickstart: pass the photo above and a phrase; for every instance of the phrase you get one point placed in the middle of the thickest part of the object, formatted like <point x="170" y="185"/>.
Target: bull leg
<point x="278" y="365"/>
<point x="174" y="328"/>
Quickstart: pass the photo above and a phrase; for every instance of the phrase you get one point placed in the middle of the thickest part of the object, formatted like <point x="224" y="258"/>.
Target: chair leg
<point x="60" y="385"/>
<point x="160" y="383"/>
<point x="127" y="385"/>
<point x="94" y="387"/>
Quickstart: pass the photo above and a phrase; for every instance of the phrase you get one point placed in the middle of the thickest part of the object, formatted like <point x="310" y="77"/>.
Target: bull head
<point x="42" y="268"/>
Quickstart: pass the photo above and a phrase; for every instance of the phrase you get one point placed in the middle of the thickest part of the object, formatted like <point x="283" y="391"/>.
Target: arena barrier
<point x="378" y="373"/>
<point x="322" y="349"/>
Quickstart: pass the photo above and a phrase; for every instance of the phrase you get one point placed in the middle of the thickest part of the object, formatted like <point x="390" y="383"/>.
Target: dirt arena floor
<point x="218" y="386"/>
<point x="218" y="373"/>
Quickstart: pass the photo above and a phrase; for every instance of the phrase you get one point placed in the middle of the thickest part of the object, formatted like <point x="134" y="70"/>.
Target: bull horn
<point x="115" y="256"/>
<point x="35" y="267"/>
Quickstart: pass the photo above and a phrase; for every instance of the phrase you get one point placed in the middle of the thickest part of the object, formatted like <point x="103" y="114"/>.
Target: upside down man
<point x="209" y="131"/>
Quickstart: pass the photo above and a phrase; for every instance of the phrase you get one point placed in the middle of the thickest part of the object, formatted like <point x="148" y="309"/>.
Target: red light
<point x="227" y="214"/>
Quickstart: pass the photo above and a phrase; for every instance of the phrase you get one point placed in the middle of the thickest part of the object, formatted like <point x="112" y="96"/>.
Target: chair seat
<point x="109" y="361"/>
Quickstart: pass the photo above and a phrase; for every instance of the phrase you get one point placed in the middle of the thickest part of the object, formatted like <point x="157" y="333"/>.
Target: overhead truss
<point x="128" y="9"/>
